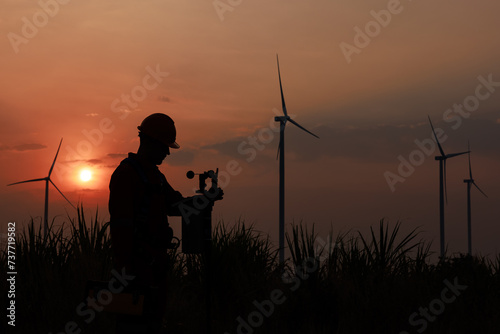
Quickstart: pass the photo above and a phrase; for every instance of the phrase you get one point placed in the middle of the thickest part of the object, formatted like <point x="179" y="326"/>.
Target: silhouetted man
<point x="139" y="202"/>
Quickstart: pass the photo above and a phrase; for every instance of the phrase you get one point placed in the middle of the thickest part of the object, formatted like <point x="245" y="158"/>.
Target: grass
<point x="357" y="284"/>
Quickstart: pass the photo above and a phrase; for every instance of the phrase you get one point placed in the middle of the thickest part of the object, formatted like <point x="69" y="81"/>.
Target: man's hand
<point x="220" y="195"/>
<point x="216" y="195"/>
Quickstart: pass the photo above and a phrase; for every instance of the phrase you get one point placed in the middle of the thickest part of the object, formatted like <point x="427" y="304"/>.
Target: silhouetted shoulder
<point x="124" y="174"/>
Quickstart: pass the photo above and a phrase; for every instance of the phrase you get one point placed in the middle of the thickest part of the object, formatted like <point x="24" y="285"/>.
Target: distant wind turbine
<point x="442" y="186"/>
<point x="47" y="180"/>
<point x="469" y="182"/>
<point x="281" y="153"/>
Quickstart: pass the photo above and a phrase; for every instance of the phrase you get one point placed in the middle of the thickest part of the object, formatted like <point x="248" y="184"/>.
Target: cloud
<point x="164" y="99"/>
<point x="180" y="158"/>
<point x="373" y="143"/>
<point x="123" y="112"/>
<point x="88" y="161"/>
<point x="93" y="161"/>
<point x="177" y="158"/>
<point x="29" y="147"/>
<point x="92" y="114"/>
<point x="117" y="155"/>
<point x="346" y="141"/>
<point x="22" y="147"/>
<point x="89" y="190"/>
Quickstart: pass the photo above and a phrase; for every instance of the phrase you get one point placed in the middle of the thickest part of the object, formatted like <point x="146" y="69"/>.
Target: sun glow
<point x="85" y="175"/>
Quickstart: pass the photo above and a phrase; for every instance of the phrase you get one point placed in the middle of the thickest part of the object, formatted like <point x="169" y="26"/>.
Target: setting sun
<point x="85" y="175"/>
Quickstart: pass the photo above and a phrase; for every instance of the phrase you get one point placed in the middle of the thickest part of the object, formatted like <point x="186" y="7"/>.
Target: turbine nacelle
<point x="442" y="159"/>
<point x="470" y="180"/>
<point x="477" y="187"/>
<point x="447" y="156"/>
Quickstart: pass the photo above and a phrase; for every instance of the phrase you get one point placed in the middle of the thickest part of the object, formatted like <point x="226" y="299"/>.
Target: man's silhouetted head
<point x="160" y="127"/>
<point x="157" y="135"/>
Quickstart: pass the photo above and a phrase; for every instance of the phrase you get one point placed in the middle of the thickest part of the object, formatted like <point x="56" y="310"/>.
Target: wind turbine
<point x="442" y="185"/>
<point x="469" y="182"/>
<point x="281" y="152"/>
<point x="47" y="180"/>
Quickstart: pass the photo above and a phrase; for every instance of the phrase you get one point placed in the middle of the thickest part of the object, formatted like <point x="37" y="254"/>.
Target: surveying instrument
<point x="197" y="227"/>
<point x="197" y="222"/>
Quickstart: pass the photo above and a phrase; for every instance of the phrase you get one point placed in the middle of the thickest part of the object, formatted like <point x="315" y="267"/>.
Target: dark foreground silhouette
<point x="382" y="282"/>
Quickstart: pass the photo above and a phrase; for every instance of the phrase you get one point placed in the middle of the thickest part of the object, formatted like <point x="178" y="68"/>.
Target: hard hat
<point x="160" y="127"/>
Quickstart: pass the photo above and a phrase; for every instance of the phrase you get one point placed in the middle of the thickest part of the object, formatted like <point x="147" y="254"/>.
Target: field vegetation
<point x="383" y="282"/>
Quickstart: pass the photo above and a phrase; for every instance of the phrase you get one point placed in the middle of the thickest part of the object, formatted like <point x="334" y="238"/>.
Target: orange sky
<point x="67" y="71"/>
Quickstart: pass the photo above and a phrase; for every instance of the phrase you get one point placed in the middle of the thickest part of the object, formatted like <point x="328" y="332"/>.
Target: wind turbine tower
<point x="470" y="181"/>
<point x="281" y="152"/>
<point x="442" y="187"/>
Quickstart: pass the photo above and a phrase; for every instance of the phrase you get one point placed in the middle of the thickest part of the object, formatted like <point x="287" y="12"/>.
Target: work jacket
<point x="140" y="201"/>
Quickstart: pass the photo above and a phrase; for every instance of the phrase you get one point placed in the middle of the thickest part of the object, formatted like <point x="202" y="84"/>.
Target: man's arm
<point x="177" y="205"/>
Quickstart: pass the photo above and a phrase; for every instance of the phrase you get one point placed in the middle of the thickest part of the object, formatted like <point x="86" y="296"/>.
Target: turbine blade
<point x="33" y="180"/>
<point x="278" y="153"/>
<point x="482" y="192"/>
<point x="54" y="162"/>
<point x="300" y="126"/>
<point x="283" y="106"/>
<point x="437" y="141"/>
<point x="62" y="194"/>
<point x="451" y="155"/>
<point x="445" y="187"/>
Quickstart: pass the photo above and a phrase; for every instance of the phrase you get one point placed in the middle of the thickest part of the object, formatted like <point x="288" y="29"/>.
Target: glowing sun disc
<point x="85" y="175"/>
